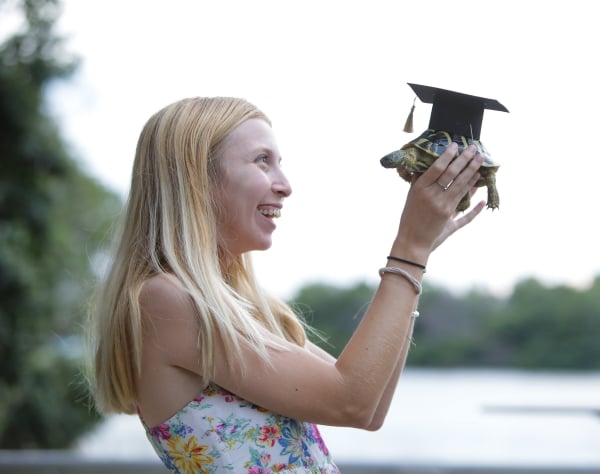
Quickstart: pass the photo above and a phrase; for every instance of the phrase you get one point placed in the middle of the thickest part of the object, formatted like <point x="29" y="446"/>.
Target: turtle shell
<point x="418" y="154"/>
<point x="434" y="143"/>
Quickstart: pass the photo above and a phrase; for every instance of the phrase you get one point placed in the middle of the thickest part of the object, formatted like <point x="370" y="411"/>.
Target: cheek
<point x="236" y="193"/>
<point x="231" y="203"/>
<point x="222" y="203"/>
<point x="251" y="189"/>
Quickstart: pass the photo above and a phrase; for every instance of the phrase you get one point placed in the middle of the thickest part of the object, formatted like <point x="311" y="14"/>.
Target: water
<point x="447" y="417"/>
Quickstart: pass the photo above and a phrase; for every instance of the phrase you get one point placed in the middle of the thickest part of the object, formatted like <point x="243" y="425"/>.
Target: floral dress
<point x="218" y="432"/>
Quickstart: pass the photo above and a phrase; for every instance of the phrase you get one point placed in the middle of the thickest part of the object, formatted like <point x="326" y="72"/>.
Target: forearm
<point x="372" y="360"/>
<point x="390" y="388"/>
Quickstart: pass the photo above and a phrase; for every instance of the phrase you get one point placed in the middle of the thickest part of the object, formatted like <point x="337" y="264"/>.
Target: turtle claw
<point x="493" y="202"/>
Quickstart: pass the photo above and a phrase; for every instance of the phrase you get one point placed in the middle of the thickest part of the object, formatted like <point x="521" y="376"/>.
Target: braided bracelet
<point x="399" y="271"/>
<point x="409" y="262"/>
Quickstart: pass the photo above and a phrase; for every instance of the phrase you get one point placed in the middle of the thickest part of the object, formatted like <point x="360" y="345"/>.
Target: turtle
<point x="418" y="155"/>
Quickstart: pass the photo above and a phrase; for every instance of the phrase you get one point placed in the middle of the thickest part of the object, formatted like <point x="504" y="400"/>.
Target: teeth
<point x="271" y="212"/>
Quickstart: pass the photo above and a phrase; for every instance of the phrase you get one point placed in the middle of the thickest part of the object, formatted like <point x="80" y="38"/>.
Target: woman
<point x="223" y="375"/>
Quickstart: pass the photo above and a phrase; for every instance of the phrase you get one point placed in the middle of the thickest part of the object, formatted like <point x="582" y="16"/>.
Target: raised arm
<point x="354" y="390"/>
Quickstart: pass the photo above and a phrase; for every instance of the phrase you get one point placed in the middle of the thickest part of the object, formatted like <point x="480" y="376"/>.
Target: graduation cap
<point x="453" y="112"/>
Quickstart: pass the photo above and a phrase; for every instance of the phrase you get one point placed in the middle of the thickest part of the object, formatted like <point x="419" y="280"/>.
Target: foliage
<point x="51" y="214"/>
<point x="556" y="328"/>
<point x="334" y="312"/>
<point x="535" y="327"/>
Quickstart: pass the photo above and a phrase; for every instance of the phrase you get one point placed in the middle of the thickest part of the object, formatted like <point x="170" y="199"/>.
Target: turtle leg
<point x="464" y="203"/>
<point x="404" y="173"/>
<point x="411" y="158"/>
<point x="493" y="199"/>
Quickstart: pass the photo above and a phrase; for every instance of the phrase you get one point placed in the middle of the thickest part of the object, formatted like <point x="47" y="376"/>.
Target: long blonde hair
<point x="169" y="226"/>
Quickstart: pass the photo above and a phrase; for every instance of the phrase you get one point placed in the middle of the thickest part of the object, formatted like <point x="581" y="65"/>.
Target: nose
<point x="281" y="185"/>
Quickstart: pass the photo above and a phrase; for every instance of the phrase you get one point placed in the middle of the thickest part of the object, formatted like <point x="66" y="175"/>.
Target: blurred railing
<point x="59" y="462"/>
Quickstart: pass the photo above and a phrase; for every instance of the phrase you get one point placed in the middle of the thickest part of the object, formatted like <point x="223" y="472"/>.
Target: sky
<point x="332" y="76"/>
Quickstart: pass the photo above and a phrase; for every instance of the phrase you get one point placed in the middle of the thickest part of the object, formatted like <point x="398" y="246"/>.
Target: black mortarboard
<point x="454" y="112"/>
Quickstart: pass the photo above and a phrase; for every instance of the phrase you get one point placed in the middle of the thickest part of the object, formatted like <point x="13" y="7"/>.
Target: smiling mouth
<point x="273" y="212"/>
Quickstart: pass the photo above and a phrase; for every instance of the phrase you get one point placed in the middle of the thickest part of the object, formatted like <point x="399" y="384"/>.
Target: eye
<point x="263" y="159"/>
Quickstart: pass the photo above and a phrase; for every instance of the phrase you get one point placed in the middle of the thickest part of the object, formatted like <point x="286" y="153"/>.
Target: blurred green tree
<point x="451" y="331"/>
<point x="535" y="327"/>
<point x="553" y="328"/>
<point x="333" y="311"/>
<point x="51" y="220"/>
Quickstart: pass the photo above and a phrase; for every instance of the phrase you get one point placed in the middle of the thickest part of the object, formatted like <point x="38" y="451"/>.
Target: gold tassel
<point x="408" y="126"/>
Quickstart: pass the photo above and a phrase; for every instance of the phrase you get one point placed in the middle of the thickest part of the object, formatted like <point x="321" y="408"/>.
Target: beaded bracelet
<point x="400" y="271"/>
<point x="409" y="262"/>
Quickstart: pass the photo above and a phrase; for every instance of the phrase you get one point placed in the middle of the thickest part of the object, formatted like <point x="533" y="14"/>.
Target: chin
<point x="263" y="243"/>
<point x="264" y="246"/>
<point x="256" y="247"/>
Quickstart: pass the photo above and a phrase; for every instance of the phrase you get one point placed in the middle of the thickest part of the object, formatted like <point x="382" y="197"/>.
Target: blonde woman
<point x="221" y="374"/>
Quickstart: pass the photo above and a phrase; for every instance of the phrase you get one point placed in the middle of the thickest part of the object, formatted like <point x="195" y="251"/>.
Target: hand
<point x="429" y="215"/>
<point x="452" y="225"/>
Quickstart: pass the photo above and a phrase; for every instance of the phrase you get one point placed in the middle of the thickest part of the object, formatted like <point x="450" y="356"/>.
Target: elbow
<point x="355" y="407"/>
<point x="375" y="424"/>
<point x="366" y="422"/>
<point x="365" y="417"/>
<point x="361" y="417"/>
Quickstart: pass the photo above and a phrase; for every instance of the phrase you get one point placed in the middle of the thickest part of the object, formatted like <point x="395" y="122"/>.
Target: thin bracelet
<point x="399" y="271"/>
<point x="409" y="262"/>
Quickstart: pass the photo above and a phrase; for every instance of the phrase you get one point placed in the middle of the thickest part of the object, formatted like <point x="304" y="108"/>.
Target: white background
<point x="332" y="77"/>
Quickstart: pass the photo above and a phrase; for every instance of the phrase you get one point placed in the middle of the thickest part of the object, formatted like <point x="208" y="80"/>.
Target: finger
<point x="447" y="156"/>
<point x="467" y="178"/>
<point x="469" y="216"/>
<point x="463" y="164"/>
<point x="474" y="178"/>
<point x="442" y="162"/>
<point x="448" y="167"/>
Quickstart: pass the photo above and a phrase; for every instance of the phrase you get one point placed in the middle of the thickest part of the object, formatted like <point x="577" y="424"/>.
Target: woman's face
<point x="250" y="194"/>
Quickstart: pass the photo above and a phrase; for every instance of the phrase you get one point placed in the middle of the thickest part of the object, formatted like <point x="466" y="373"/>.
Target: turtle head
<point x="393" y="159"/>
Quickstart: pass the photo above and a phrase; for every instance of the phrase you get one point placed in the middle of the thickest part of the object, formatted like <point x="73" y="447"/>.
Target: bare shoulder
<point x="164" y="296"/>
<point x="169" y="322"/>
<point x="170" y="354"/>
<point x="159" y="286"/>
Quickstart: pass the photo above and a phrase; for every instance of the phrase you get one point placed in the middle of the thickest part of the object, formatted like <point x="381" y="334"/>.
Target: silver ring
<point x="444" y="188"/>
